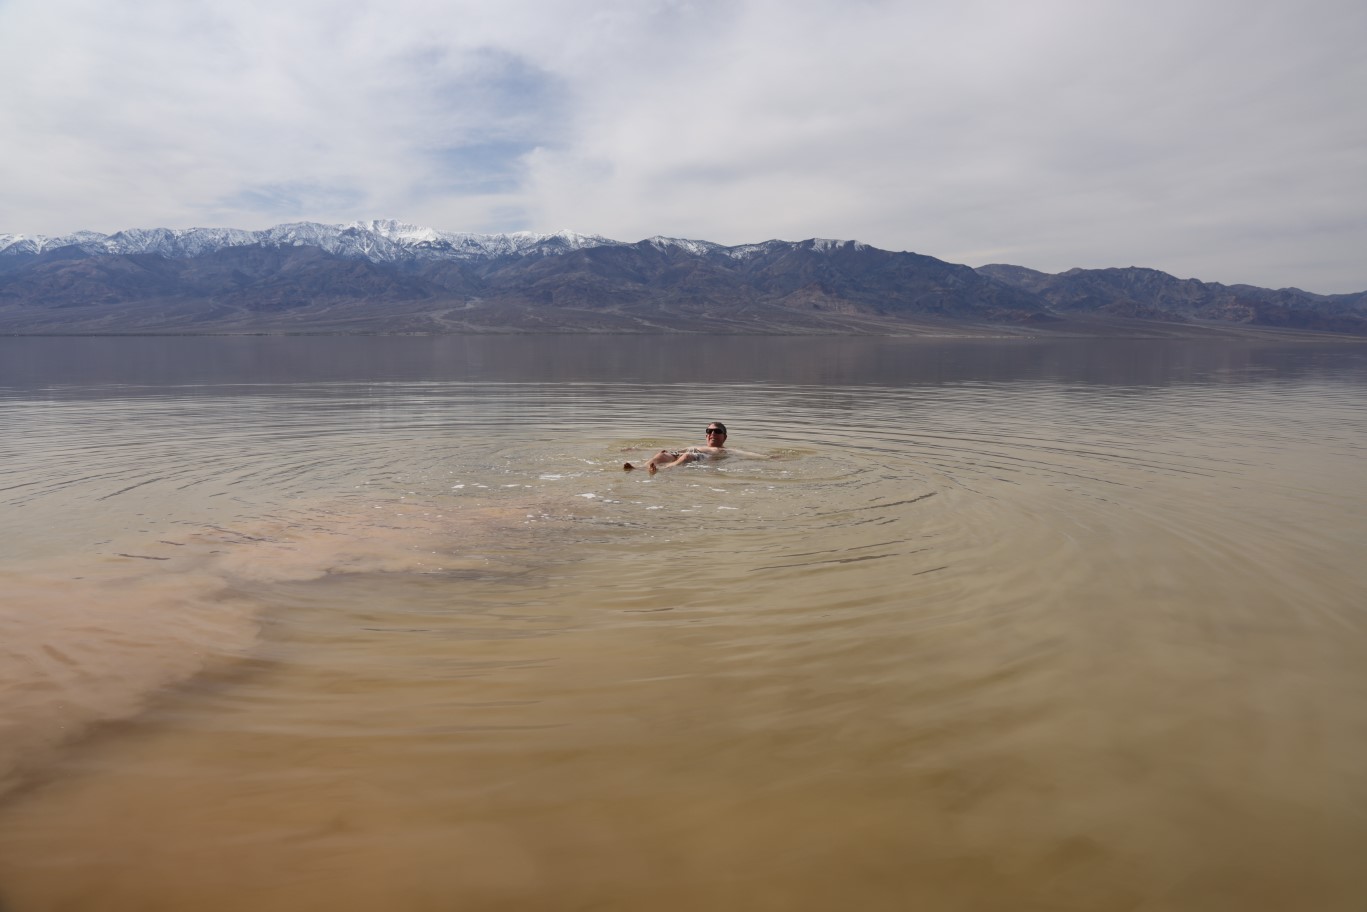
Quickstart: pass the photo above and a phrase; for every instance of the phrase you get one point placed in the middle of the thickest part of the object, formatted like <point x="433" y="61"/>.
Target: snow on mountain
<point x="826" y="245"/>
<point x="697" y="248"/>
<point x="820" y="245"/>
<point x="13" y="244"/>
<point x="169" y="242"/>
<point x="377" y="240"/>
<point x="398" y="231"/>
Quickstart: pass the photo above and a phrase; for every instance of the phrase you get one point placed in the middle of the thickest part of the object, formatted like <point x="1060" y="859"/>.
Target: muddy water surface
<point x="296" y="624"/>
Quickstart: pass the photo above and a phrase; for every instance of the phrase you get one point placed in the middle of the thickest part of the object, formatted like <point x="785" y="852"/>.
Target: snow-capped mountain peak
<point x="377" y="240"/>
<point x="395" y="230"/>
<point x="697" y="248"/>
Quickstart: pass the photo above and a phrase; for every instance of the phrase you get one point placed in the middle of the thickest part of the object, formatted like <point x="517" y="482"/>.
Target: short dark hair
<point x="716" y="424"/>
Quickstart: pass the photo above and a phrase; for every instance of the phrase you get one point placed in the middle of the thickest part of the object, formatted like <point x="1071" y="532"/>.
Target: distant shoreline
<point x="1170" y="333"/>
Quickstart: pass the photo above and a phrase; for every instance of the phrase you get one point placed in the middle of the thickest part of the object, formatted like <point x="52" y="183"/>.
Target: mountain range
<point x="386" y="276"/>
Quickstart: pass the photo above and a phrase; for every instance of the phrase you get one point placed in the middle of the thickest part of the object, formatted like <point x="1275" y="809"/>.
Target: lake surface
<point x="380" y="623"/>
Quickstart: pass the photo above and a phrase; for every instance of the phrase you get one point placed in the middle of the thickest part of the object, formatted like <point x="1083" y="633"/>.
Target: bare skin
<point x="715" y="448"/>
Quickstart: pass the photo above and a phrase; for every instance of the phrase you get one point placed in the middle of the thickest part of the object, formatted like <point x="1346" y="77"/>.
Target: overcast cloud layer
<point x="1214" y="139"/>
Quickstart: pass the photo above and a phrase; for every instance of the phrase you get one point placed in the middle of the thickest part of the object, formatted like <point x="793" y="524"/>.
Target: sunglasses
<point x="715" y="431"/>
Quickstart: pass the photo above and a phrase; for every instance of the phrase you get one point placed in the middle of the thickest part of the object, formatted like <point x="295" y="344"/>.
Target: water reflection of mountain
<point x="123" y="366"/>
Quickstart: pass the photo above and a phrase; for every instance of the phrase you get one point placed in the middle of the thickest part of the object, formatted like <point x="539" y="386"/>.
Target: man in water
<point x="715" y="448"/>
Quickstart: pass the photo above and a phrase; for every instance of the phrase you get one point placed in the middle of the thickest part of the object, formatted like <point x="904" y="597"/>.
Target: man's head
<point x="716" y="433"/>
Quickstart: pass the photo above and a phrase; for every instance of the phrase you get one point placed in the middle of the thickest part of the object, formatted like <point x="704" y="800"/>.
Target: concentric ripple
<point x="1006" y="638"/>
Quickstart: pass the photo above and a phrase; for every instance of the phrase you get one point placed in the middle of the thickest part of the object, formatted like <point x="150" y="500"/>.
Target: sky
<point x="1211" y="139"/>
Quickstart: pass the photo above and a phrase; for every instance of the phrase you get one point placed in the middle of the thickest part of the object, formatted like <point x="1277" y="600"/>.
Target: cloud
<point x="1219" y="140"/>
<point x="288" y="200"/>
<point x="482" y="113"/>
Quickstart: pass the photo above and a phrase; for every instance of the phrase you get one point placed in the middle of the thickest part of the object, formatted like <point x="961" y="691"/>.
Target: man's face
<point x="716" y="436"/>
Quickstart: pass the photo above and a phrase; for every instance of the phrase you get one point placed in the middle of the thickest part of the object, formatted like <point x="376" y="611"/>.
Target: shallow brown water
<point x="346" y="624"/>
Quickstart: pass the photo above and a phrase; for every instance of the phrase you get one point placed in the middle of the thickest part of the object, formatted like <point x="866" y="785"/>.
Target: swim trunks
<point x="696" y="454"/>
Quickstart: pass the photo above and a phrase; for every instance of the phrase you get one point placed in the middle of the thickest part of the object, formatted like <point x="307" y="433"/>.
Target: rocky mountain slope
<point x="1152" y="295"/>
<point x="385" y="276"/>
